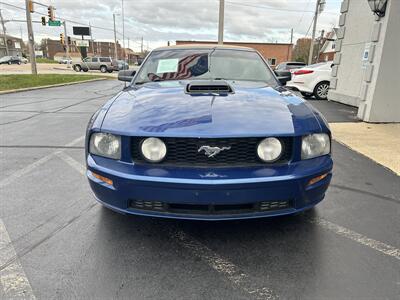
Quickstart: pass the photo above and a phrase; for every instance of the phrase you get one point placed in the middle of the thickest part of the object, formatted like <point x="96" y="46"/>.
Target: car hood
<point x="164" y="109"/>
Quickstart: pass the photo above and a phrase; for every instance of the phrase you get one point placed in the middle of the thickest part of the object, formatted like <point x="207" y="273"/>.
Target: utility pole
<point x="4" y="32"/>
<point x="291" y="44"/>
<point x="318" y="9"/>
<point x="221" y="22"/>
<point x="319" y="43"/>
<point x="91" y="38"/>
<point x="66" y="43"/>
<point x="123" y="28"/>
<point x="31" y="38"/>
<point x="115" y="40"/>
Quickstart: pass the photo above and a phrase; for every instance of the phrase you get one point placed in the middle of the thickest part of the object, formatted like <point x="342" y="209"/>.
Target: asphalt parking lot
<point x="57" y="242"/>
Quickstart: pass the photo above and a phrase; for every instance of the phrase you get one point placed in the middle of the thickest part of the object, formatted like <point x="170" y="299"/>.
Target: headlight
<point x="105" y="144"/>
<point x="153" y="149"/>
<point x="269" y="149"/>
<point x="314" y="145"/>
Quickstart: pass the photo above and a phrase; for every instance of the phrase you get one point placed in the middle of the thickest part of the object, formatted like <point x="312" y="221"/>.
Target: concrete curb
<point x="49" y="86"/>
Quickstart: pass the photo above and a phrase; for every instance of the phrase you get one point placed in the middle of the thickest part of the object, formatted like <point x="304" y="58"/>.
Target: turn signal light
<point x="302" y="72"/>
<point x="316" y="179"/>
<point x="102" y="178"/>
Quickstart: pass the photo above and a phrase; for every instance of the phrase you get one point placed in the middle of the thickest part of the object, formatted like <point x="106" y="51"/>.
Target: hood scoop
<point x="209" y="87"/>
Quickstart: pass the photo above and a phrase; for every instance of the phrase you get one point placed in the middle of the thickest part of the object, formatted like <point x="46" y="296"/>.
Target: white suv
<point x="312" y="80"/>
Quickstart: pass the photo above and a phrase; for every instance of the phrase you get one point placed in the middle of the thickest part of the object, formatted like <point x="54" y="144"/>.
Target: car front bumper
<point x="302" y="87"/>
<point x="209" y="194"/>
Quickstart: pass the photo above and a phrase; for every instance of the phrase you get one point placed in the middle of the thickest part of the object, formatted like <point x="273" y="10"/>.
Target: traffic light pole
<point x="66" y="43"/>
<point x="31" y="39"/>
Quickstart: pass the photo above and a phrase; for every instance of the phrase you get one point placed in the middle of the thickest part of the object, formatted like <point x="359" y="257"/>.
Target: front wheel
<point x="321" y="90"/>
<point x="103" y="69"/>
<point x="77" y="68"/>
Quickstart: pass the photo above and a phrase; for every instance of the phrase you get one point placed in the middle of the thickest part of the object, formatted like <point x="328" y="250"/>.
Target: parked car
<point x="207" y="133"/>
<point x="312" y="80"/>
<point x="23" y="60"/>
<point x="283" y="70"/>
<point x="65" y="60"/>
<point x="122" y="65"/>
<point x="104" y="64"/>
<point x="10" y="60"/>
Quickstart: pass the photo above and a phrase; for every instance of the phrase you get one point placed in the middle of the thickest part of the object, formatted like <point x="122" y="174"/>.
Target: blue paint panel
<point x="165" y="110"/>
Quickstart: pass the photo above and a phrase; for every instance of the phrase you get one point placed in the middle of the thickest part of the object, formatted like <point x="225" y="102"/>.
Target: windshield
<point x="228" y="64"/>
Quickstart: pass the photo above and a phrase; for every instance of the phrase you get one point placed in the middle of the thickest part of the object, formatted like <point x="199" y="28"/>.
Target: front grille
<point x="184" y="151"/>
<point x="210" y="209"/>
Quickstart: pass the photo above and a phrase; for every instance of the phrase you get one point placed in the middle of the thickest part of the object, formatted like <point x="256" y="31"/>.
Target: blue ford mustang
<point x="207" y="133"/>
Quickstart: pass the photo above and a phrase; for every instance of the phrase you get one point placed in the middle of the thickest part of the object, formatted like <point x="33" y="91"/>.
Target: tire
<point x="77" y="68"/>
<point x="321" y="90"/>
<point x="85" y="70"/>
<point x="19" y="62"/>
<point x="103" y="69"/>
<point x="110" y="71"/>
<point x="9" y="62"/>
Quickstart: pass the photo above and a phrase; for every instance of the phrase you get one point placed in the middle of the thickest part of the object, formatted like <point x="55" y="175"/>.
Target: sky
<point x="159" y="21"/>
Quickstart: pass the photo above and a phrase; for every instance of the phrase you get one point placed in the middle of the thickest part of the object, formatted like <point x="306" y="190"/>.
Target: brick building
<point x="274" y="53"/>
<point x="52" y="48"/>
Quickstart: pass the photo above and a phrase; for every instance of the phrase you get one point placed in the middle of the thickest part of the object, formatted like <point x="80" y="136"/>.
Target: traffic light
<point x="62" y="38"/>
<point x="44" y="21"/>
<point x="30" y="6"/>
<point x="50" y="12"/>
<point x="69" y="40"/>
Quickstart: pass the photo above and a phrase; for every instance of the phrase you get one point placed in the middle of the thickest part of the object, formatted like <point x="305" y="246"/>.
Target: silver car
<point x="104" y="64"/>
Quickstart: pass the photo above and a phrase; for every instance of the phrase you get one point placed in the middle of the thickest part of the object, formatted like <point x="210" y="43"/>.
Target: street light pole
<point x="4" y="32"/>
<point x="115" y="40"/>
<point x="31" y="39"/>
<point x="221" y="22"/>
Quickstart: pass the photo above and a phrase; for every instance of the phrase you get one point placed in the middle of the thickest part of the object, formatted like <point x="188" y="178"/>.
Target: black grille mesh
<point x="184" y="151"/>
<point x="210" y="208"/>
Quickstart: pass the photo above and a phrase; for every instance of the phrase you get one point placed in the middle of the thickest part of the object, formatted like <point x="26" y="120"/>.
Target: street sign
<point x="81" y="30"/>
<point x="54" y="23"/>
<point x="82" y="43"/>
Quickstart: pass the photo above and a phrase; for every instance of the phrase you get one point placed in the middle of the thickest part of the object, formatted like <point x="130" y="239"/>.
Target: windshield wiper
<point x="141" y="82"/>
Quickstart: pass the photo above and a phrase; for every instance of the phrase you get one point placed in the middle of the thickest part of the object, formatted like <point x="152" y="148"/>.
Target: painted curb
<point x="49" y="86"/>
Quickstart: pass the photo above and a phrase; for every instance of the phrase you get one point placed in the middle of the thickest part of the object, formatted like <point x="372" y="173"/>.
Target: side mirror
<point x="282" y="79"/>
<point x="126" y="75"/>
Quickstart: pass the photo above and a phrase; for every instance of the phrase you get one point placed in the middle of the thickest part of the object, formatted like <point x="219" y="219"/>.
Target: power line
<point x="309" y="27"/>
<point x="278" y="9"/>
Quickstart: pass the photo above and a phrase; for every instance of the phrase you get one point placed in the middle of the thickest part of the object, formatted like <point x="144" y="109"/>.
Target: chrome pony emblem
<point x="212" y="151"/>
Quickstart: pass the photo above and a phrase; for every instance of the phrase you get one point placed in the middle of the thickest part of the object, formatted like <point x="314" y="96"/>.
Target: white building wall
<point x="353" y="34"/>
<point x="382" y="101"/>
<point x="369" y="82"/>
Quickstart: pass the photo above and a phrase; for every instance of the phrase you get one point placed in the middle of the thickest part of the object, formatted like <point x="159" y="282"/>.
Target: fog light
<point x="316" y="179"/>
<point x="102" y="178"/>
